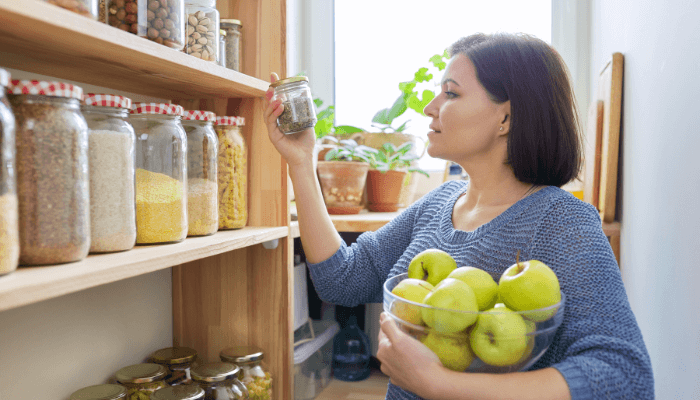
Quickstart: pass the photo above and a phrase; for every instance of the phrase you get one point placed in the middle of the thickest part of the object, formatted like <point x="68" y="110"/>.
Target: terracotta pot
<point x="384" y="190"/>
<point x="342" y="184"/>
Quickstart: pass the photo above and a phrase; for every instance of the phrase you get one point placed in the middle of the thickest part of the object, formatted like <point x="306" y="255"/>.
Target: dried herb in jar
<point x="298" y="114"/>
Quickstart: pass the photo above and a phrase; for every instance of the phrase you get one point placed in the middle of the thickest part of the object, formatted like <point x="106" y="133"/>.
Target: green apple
<point x="432" y="265"/>
<point x="499" y="337"/>
<point x="453" y="351"/>
<point x="530" y="285"/>
<point x="530" y="328"/>
<point x="455" y="306"/>
<point x="413" y="290"/>
<point x="483" y="285"/>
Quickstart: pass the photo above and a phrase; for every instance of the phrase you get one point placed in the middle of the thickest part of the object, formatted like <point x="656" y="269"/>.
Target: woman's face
<point x="466" y="122"/>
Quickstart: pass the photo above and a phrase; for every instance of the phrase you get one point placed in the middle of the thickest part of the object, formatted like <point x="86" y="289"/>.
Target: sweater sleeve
<point x="599" y="344"/>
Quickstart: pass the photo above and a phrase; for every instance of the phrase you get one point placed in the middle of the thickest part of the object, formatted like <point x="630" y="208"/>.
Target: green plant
<point x="391" y="158"/>
<point x="325" y="126"/>
<point x="348" y="150"/>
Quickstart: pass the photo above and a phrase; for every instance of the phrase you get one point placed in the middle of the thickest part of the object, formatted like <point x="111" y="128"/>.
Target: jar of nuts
<point x="9" y="228"/>
<point x="233" y="173"/>
<point x="162" y="21"/>
<point x="87" y="8"/>
<point x="233" y="43"/>
<point x="202" y="30"/>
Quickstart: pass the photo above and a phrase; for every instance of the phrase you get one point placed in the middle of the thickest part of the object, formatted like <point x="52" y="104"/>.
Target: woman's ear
<point x="504" y="126"/>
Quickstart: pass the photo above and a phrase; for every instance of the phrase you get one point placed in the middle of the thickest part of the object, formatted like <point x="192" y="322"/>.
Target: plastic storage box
<point x="313" y="358"/>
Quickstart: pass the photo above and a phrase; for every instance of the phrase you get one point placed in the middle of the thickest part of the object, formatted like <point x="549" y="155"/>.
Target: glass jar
<point x="100" y="392"/>
<point x="52" y="172"/>
<point x="182" y="392"/>
<point x="232" y="173"/>
<point x="202" y="195"/>
<point x="232" y="27"/>
<point x="178" y="361"/>
<point x="111" y="141"/>
<point x="217" y="380"/>
<point x="87" y="8"/>
<point x="162" y="21"/>
<point x="142" y="380"/>
<point x="222" y="48"/>
<point x="299" y="111"/>
<point x="255" y="375"/>
<point x="202" y="30"/>
<point x="161" y="173"/>
<point x="9" y="214"/>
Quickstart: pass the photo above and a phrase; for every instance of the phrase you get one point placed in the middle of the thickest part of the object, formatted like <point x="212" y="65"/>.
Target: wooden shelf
<point x="30" y="285"/>
<point x="294" y="230"/>
<point x="38" y="37"/>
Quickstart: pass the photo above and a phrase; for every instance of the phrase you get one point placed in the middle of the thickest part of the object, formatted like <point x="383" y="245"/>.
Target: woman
<point x="506" y="114"/>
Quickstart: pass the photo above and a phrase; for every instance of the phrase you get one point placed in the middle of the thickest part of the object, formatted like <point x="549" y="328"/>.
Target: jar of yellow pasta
<point x="232" y="173"/>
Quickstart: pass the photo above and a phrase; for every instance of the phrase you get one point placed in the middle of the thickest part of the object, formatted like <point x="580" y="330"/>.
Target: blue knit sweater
<point x="598" y="348"/>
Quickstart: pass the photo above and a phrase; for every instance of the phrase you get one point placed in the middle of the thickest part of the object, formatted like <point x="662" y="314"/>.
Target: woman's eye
<point x="450" y="95"/>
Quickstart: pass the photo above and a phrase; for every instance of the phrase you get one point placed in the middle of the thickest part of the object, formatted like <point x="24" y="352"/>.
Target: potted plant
<point x="389" y="169"/>
<point x="343" y="175"/>
<point x="326" y="129"/>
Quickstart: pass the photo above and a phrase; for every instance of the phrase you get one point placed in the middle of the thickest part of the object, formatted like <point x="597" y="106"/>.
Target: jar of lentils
<point x="202" y="30"/>
<point x="142" y="380"/>
<point x="87" y="8"/>
<point x="52" y="172"/>
<point x="100" y="392"/>
<point x="255" y="374"/>
<point x="232" y="173"/>
<point x="299" y="112"/>
<point x="178" y="361"/>
<point x="9" y="217"/>
<point x="162" y="21"/>
<point x="161" y="173"/>
<point x="232" y="27"/>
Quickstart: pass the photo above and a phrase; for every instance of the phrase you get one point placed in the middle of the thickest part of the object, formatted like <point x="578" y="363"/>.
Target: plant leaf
<point x="397" y="109"/>
<point x="438" y="61"/>
<point x="318" y="103"/>
<point x="347" y="129"/>
<point x="382" y="117"/>
<point x="402" y="127"/>
<point x="407" y="87"/>
<point x="422" y="75"/>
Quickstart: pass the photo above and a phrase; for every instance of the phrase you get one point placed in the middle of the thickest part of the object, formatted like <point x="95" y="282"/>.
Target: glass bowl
<point x="502" y="344"/>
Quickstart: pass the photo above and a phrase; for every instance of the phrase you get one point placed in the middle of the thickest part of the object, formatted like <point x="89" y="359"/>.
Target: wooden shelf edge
<point x="294" y="230"/>
<point x="30" y="285"/>
<point x="611" y="228"/>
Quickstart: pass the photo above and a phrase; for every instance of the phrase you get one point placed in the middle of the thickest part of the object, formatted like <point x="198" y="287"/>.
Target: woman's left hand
<point x="410" y="364"/>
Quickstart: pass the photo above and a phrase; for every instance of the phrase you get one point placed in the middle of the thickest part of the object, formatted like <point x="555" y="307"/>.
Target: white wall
<point x="661" y="176"/>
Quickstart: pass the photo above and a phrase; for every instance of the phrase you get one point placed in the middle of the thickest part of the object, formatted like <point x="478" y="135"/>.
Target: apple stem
<point x="517" y="262"/>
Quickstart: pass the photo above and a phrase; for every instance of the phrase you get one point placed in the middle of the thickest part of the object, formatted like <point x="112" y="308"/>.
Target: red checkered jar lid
<point x="233" y="121"/>
<point x="157" y="108"/>
<point x="46" y="88"/>
<point x="199" y="115"/>
<point x="4" y="78"/>
<point x="106" y="100"/>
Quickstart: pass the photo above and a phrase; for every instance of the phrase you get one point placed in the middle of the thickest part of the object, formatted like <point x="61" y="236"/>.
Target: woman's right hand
<point x="296" y="148"/>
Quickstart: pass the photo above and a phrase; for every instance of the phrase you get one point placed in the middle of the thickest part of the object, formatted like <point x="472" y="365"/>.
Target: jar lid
<point x="230" y="22"/>
<point x="242" y="354"/>
<point x="289" y="80"/>
<point x="180" y="392"/>
<point x="234" y="121"/>
<point x="46" y="88"/>
<point x="222" y="32"/>
<point x="141" y="373"/>
<point x="106" y="100"/>
<point x="199" y="115"/>
<point x="100" y="392"/>
<point x="174" y="355"/>
<point x="215" y="372"/>
<point x="157" y="108"/>
<point x="4" y="78"/>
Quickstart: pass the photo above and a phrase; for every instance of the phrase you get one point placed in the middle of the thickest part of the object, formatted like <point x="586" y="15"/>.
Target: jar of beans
<point x="111" y="141"/>
<point x="100" y="392"/>
<point x="52" y="172"/>
<point x="161" y="173"/>
<point x="9" y="225"/>
<point x="142" y="380"/>
<point x="202" y="29"/>
<point x="232" y="27"/>
<point x="202" y="194"/>
<point x="232" y="173"/>
<point x="256" y="376"/>
<point x="162" y="21"/>
<point x="86" y="8"/>
<point x="299" y="112"/>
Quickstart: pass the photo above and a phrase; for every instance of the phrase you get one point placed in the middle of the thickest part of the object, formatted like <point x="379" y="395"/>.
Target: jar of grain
<point x="162" y="21"/>
<point x="222" y="48"/>
<point x="161" y="173"/>
<point x="256" y="376"/>
<point x="217" y="380"/>
<point x="142" y="380"/>
<point x="86" y="8"/>
<point x="52" y="172"/>
<point x="202" y="195"/>
<point x="178" y="361"/>
<point x="183" y="392"/>
<point x="100" y="392"/>
<point x="232" y="27"/>
<point x="112" y="189"/>
<point x="202" y="29"/>
<point x="9" y="225"/>
<point x="232" y="173"/>
<point x="299" y="111"/>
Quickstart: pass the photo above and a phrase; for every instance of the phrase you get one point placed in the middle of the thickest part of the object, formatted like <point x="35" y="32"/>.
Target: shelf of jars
<point x="38" y="37"/>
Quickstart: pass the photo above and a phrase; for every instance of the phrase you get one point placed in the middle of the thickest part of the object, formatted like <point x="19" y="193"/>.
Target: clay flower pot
<point x="342" y="184"/>
<point x="384" y="190"/>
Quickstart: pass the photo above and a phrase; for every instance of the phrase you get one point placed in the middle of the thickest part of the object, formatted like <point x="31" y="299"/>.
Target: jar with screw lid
<point x="87" y="8"/>
<point x="255" y="374"/>
<point x="202" y="29"/>
<point x="232" y="27"/>
<point x="222" y="48"/>
<point x="299" y="112"/>
<point x="178" y="361"/>
<point x="161" y="173"/>
<point x="217" y="380"/>
<point x="202" y="150"/>
<point x="100" y="392"/>
<point x="9" y="213"/>
<point x="232" y="173"/>
<point x="142" y="380"/>
<point x="52" y="172"/>
<point x="182" y="392"/>
<point x="111" y="147"/>
<point x="162" y="21"/>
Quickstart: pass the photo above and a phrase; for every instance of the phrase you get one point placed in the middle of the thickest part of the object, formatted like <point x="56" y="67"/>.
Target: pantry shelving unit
<point x="228" y="288"/>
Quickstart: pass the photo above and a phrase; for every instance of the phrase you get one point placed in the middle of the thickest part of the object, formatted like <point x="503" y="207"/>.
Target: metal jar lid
<point x="100" y="392"/>
<point x="180" y="392"/>
<point x="229" y="22"/>
<point x="215" y="372"/>
<point x="286" y="81"/>
<point x="174" y="355"/>
<point x="141" y="373"/>
<point x="241" y="354"/>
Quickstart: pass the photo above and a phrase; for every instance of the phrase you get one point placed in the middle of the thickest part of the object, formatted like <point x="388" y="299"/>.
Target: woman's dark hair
<point x="544" y="142"/>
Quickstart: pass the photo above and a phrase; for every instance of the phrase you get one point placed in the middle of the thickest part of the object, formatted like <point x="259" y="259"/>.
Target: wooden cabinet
<point x="228" y="289"/>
